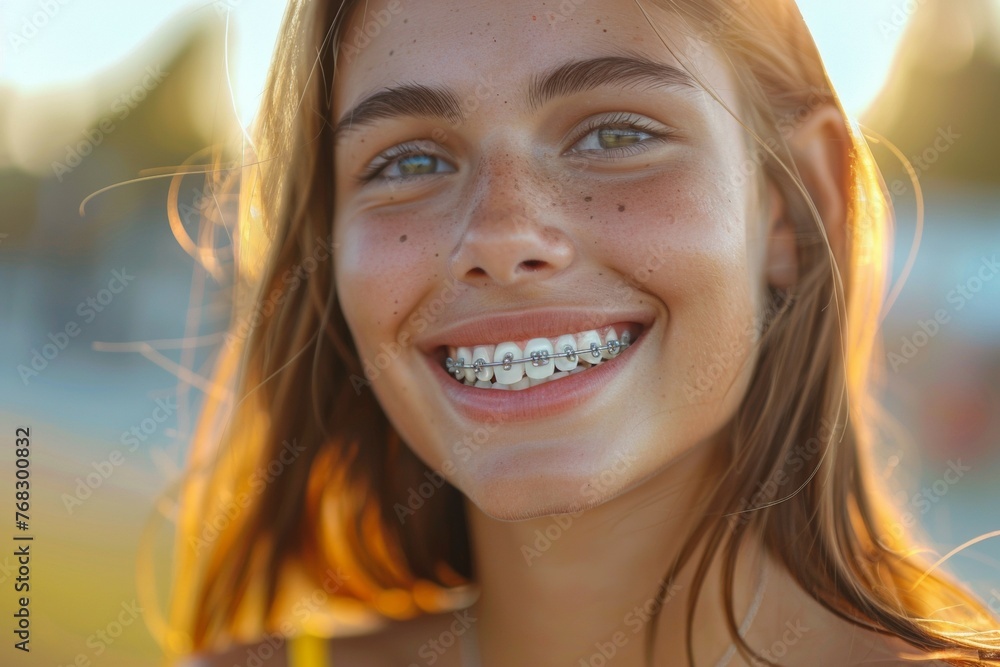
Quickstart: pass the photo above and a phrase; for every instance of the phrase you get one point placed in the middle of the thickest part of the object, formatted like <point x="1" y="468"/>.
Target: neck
<point x="566" y="589"/>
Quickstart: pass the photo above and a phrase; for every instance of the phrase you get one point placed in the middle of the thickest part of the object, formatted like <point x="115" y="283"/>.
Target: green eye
<point x="614" y="138"/>
<point x="408" y="161"/>
<point x="621" y="132"/>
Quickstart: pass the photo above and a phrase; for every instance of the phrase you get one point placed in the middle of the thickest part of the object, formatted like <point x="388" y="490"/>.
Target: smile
<point x="521" y="365"/>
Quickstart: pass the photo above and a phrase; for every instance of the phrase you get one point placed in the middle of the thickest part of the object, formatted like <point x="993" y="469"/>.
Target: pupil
<point x="413" y="164"/>
<point x="613" y="138"/>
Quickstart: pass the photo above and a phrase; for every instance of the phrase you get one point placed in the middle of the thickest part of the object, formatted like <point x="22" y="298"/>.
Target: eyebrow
<point x="576" y="76"/>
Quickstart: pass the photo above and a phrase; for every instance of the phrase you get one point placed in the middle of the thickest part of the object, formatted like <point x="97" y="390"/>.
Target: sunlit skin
<point x="517" y="208"/>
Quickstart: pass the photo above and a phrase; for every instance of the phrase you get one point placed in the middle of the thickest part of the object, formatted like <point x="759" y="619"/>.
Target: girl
<point x="557" y="354"/>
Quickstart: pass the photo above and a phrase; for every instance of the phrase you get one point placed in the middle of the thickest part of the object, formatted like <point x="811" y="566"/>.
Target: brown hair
<point x="286" y="379"/>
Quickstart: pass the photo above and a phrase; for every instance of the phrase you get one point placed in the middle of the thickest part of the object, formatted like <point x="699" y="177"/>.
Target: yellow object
<point x="307" y="651"/>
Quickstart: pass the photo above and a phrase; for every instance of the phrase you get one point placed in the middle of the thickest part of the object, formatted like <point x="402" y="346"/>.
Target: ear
<point x="781" y="263"/>
<point x="820" y="147"/>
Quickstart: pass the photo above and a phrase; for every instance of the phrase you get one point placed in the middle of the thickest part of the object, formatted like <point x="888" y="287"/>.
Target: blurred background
<point x="107" y="326"/>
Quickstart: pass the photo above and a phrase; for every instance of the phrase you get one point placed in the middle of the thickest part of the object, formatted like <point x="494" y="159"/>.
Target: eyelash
<point x="620" y="121"/>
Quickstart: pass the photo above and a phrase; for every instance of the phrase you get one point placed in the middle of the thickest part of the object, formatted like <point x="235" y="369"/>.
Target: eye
<point x="404" y="162"/>
<point x="619" y="136"/>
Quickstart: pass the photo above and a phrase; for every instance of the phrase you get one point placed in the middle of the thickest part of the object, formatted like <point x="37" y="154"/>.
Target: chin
<point x="516" y="486"/>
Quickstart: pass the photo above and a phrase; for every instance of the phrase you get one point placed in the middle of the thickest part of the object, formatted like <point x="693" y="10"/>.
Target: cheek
<point x="681" y="236"/>
<point x="709" y="289"/>
<point x="383" y="269"/>
<point x="685" y="244"/>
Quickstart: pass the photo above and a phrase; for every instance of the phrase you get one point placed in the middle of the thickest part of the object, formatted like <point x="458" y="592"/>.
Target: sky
<point x="48" y="42"/>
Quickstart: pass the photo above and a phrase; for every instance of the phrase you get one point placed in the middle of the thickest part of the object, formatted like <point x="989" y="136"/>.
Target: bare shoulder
<point x="266" y="653"/>
<point x="794" y="628"/>
<point x="427" y="639"/>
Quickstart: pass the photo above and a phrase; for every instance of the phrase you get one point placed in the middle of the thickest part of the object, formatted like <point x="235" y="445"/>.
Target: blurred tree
<point x="940" y="103"/>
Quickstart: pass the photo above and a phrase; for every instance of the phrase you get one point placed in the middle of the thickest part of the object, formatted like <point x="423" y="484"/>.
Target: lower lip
<point x="579" y="390"/>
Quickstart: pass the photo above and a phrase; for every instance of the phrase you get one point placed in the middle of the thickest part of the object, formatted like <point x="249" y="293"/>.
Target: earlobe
<point x="821" y="147"/>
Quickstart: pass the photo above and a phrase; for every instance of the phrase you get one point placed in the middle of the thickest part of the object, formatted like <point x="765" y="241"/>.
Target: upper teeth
<point x="508" y="362"/>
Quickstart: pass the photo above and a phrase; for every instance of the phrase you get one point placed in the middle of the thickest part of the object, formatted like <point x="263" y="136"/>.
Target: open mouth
<point x="519" y="365"/>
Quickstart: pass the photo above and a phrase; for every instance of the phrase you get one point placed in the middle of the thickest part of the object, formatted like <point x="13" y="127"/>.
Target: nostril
<point x="533" y="264"/>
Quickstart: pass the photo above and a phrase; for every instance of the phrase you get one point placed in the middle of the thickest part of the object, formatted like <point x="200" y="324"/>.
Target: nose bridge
<point x="513" y="232"/>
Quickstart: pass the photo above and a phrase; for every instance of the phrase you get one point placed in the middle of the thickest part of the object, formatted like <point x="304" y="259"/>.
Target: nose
<point x="512" y="234"/>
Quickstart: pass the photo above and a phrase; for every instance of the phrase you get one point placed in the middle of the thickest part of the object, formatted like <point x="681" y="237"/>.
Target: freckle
<point x="621" y="207"/>
<point x="605" y="30"/>
<point x="435" y="254"/>
<point x="591" y="217"/>
<point x="534" y="18"/>
<point x="402" y="239"/>
<point x="395" y="312"/>
<point x="588" y="199"/>
<point x="405" y="20"/>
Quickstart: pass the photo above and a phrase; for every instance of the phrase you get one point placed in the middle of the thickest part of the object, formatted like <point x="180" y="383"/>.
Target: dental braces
<point x="538" y="358"/>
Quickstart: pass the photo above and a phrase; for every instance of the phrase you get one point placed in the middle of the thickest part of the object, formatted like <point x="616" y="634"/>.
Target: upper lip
<point x="521" y="325"/>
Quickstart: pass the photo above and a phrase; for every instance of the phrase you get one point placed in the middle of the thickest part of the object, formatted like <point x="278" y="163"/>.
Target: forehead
<point x="464" y="43"/>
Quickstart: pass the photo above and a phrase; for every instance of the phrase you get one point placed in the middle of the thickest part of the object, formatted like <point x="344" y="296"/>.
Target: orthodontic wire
<point x="537" y="358"/>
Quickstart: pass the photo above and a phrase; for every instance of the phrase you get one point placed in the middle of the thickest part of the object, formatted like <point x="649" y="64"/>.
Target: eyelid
<point x="619" y="120"/>
<point x="387" y="157"/>
<point x="625" y="120"/>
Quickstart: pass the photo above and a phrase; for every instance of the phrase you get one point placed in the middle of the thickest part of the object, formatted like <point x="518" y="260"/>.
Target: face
<point x="540" y="206"/>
